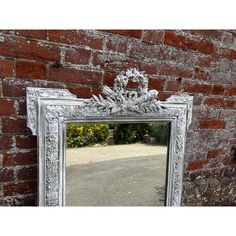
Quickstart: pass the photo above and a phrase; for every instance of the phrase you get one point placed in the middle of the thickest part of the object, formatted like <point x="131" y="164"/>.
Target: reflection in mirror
<point x="116" y="164"/>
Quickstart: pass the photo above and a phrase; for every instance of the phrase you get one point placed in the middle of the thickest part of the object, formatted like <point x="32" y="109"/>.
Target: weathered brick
<point x="196" y="165"/>
<point x="80" y="92"/>
<point x="78" y="56"/>
<point x="128" y="33"/>
<point x="117" y="45"/>
<point x="230" y="90"/>
<point x="20" y="188"/>
<point x="213" y="101"/>
<point x="6" y="175"/>
<point x="229" y="103"/>
<point x="207" y="61"/>
<point x="35" y="34"/>
<point x="227" y="53"/>
<point x="173" y="85"/>
<point x="21" y="48"/>
<point x="164" y="95"/>
<point x="27" y="173"/>
<point x="75" y="37"/>
<point x="14" y="88"/>
<point x="6" y="142"/>
<point x="179" y="41"/>
<point x="171" y="70"/>
<point x="208" y="34"/>
<point x="6" y="107"/>
<point x="215" y="153"/>
<point x="153" y="36"/>
<point x="197" y="88"/>
<point x="21" y="158"/>
<point x="211" y="124"/>
<point x="218" y="89"/>
<point x="26" y="142"/>
<point x="71" y="75"/>
<point x="6" y="68"/>
<point x="200" y="74"/>
<point x="155" y="83"/>
<point x="31" y="70"/>
<point x="14" y="125"/>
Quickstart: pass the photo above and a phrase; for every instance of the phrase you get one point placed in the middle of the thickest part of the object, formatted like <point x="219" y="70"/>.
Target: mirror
<point x="116" y="164"/>
<point x="50" y="111"/>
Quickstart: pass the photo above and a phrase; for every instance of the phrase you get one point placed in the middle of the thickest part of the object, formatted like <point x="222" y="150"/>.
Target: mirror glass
<point x="116" y="164"/>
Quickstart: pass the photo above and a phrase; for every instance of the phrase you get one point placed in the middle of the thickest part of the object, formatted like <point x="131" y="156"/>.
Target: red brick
<point x="141" y="51"/>
<point x="6" y="107"/>
<point x="26" y="142"/>
<point x="80" y="92"/>
<point x="209" y="34"/>
<point x="21" y="107"/>
<point x="153" y="36"/>
<point x="14" y="125"/>
<point x="75" y="37"/>
<point x="197" y="88"/>
<point x="218" y="89"/>
<point x="71" y="75"/>
<point x="114" y="62"/>
<point x="128" y="33"/>
<point x="116" y="45"/>
<point x="207" y="61"/>
<point x="227" y="53"/>
<point x="78" y="56"/>
<point x="20" y="188"/>
<point x="155" y="83"/>
<point x="164" y="95"/>
<point x="109" y="77"/>
<point x="229" y="103"/>
<point x="170" y="70"/>
<point x="6" y="142"/>
<point x="17" y="159"/>
<point x="230" y="91"/>
<point x="35" y="34"/>
<point x="196" y="165"/>
<point x="200" y="74"/>
<point x="21" y="48"/>
<point x="31" y="70"/>
<point x="173" y="85"/>
<point x="179" y="41"/>
<point x="215" y="153"/>
<point x="211" y="124"/>
<point x="213" y="101"/>
<point x="6" y="175"/>
<point x="6" y="68"/>
<point x="27" y="173"/>
<point x="149" y="67"/>
<point x="14" y="88"/>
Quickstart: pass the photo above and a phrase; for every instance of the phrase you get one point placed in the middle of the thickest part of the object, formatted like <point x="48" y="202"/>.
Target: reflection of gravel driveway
<point x="119" y="175"/>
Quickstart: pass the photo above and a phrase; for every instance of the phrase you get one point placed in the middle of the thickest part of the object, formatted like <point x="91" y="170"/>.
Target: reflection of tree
<point x="160" y="193"/>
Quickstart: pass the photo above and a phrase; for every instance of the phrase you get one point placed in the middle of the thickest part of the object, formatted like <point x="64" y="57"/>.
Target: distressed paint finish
<point x="56" y="108"/>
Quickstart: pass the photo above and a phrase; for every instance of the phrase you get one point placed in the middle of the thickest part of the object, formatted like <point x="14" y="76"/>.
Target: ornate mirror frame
<point x="50" y="110"/>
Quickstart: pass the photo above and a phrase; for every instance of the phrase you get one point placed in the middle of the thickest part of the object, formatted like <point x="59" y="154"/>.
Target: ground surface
<point x="119" y="175"/>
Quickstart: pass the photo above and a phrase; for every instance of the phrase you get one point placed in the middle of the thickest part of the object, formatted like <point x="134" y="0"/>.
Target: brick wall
<point x="201" y="63"/>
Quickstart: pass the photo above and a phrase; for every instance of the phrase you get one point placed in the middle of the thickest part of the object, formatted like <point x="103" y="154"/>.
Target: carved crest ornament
<point x="50" y="110"/>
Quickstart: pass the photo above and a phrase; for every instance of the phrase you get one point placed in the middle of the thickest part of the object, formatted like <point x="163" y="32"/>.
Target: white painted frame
<point x="50" y="110"/>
